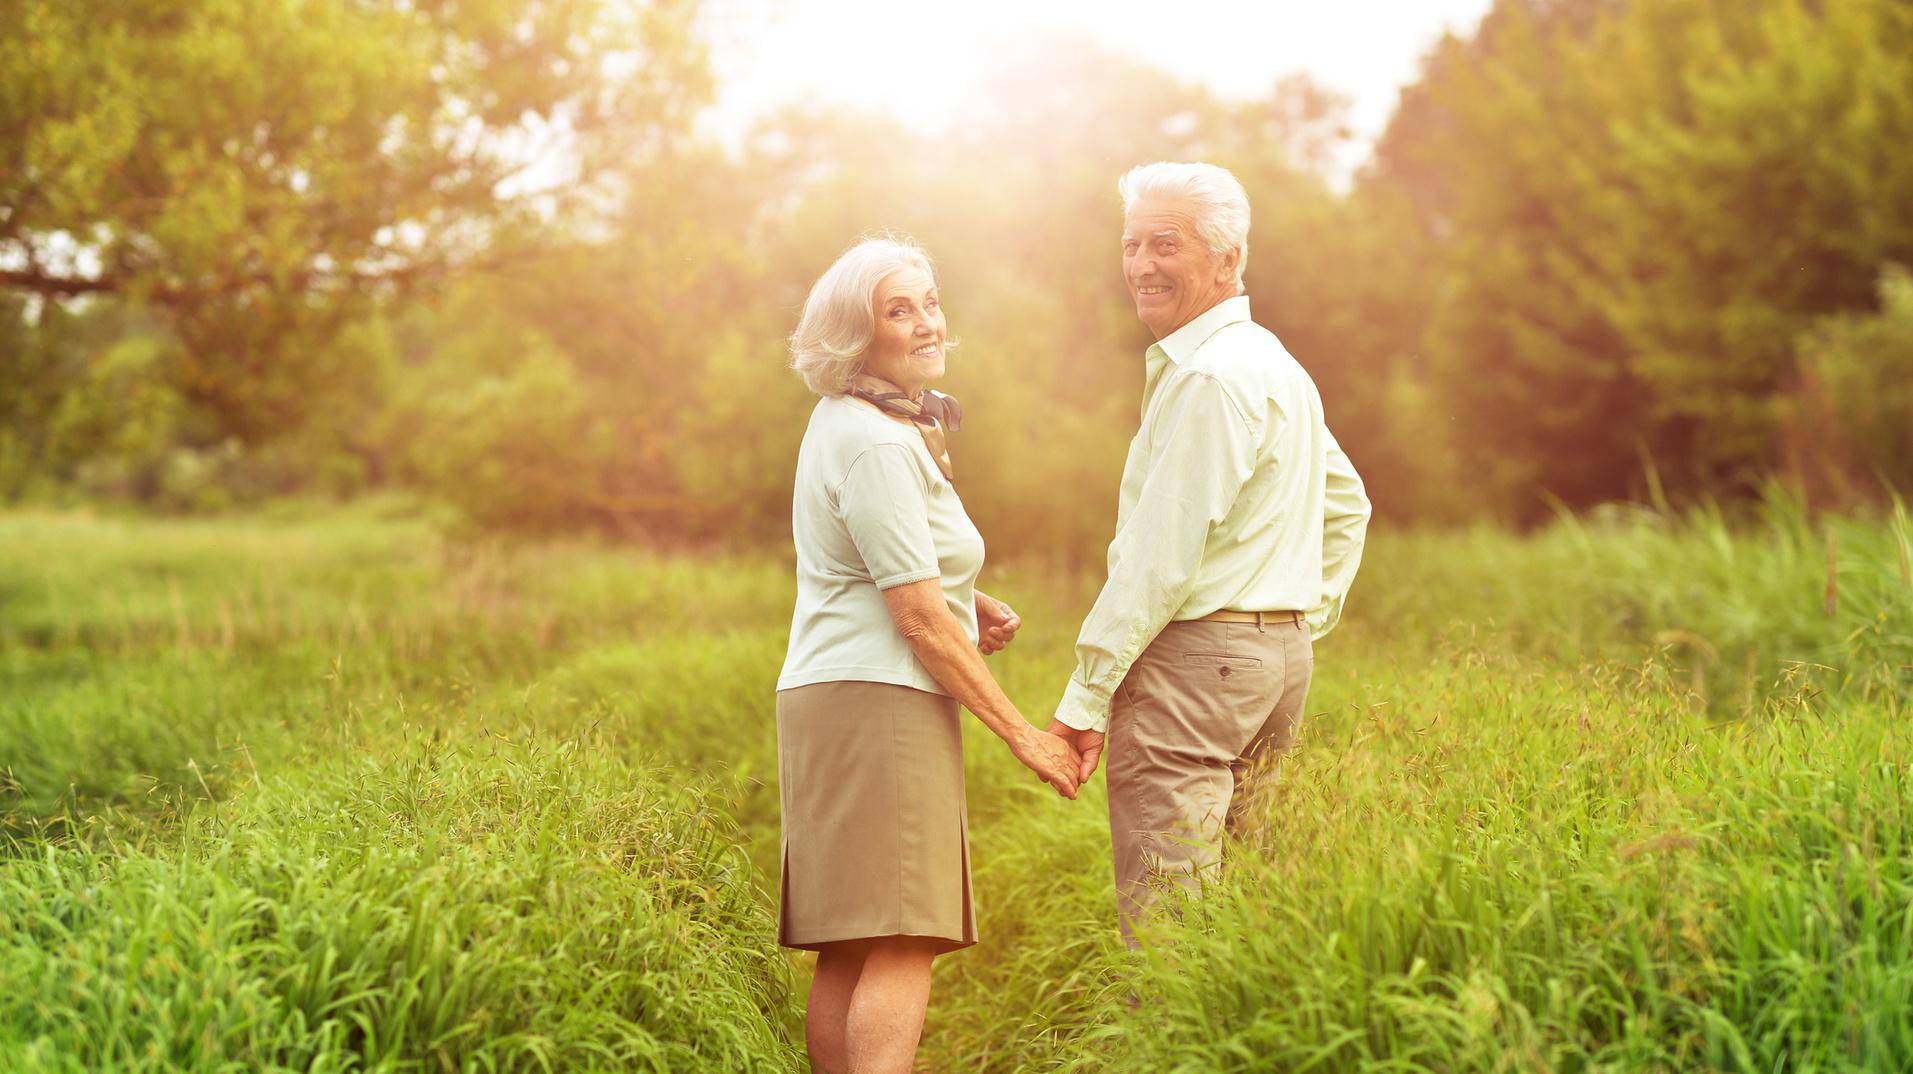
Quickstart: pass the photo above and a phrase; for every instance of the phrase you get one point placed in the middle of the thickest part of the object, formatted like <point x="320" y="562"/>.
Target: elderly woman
<point x="883" y="648"/>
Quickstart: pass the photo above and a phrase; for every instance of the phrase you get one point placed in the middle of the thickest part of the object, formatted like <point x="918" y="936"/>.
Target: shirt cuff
<point x="1082" y="709"/>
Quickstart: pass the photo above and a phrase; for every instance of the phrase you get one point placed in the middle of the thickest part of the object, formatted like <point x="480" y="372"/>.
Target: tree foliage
<point x="261" y="170"/>
<point x="253" y="246"/>
<point x="1637" y="208"/>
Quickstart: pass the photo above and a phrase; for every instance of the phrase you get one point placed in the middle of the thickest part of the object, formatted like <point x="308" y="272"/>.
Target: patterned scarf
<point x="925" y="412"/>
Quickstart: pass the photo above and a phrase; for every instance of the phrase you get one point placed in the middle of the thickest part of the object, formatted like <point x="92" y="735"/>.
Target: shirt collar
<point x="1177" y="346"/>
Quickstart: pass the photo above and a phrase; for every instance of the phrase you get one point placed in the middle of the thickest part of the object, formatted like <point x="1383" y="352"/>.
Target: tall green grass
<point x="1626" y="794"/>
<point x="484" y="906"/>
<point x="144" y="663"/>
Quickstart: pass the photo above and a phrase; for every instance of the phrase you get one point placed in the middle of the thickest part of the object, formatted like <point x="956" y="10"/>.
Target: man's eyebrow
<point x="1170" y="232"/>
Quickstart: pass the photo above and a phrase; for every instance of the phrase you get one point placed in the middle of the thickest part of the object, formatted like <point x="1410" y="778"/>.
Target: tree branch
<point x="32" y="279"/>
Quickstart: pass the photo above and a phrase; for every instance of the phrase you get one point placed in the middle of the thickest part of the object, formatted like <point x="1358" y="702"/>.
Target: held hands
<point x="996" y="624"/>
<point x="1051" y="758"/>
<point x="1088" y="745"/>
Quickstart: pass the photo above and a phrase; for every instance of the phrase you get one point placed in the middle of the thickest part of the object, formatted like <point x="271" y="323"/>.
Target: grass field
<point x="342" y="792"/>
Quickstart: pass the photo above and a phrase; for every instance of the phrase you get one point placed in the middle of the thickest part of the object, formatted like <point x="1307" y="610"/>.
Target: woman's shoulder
<point x="846" y="435"/>
<point x="852" y="425"/>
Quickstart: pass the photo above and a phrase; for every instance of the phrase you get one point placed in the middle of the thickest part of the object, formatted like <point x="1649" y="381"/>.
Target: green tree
<point x="262" y="172"/>
<point x="1635" y="208"/>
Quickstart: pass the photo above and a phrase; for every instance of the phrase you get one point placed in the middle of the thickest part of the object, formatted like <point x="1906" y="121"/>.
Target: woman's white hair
<point x="1222" y="206"/>
<point x="840" y="316"/>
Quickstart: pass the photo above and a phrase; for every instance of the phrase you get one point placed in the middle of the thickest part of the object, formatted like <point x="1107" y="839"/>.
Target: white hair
<point x="840" y="316"/>
<point x="1222" y="206"/>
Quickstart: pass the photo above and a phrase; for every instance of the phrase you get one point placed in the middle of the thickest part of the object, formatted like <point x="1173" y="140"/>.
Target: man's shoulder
<point x="1244" y="353"/>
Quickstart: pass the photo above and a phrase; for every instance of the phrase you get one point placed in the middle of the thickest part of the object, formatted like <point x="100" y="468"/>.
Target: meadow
<point x="354" y="790"/>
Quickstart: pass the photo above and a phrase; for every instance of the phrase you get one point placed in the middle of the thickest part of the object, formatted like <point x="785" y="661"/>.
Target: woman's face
<point x="908" y="348"/>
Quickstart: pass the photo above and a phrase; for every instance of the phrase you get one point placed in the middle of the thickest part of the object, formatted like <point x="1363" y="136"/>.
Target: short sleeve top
<point x="870" y="511"/>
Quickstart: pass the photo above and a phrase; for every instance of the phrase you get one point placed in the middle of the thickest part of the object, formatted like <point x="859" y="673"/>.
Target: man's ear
<point x="1225" y="271"/>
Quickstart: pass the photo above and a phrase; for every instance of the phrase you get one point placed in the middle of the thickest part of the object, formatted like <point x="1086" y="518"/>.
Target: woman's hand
<point x="996" y="623"/>
<point x="1052" y="759"/>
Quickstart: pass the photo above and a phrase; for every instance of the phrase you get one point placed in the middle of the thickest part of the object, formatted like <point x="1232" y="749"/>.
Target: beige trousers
<point x="1191" y="730"/>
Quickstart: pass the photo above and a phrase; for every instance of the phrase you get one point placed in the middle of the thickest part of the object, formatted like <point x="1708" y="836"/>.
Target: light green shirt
<point x="870" y="510"/>
<point x="1234" y="495"/>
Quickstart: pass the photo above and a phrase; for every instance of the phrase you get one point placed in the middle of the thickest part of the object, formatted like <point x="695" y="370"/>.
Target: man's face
<point x="1172" y="276"/>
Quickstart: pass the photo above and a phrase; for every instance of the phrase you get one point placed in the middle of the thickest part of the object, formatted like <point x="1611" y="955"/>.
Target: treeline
<point x="1605" y="250"/>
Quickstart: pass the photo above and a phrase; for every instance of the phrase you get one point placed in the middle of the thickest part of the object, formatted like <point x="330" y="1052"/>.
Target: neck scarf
<point x="925" y="412"/>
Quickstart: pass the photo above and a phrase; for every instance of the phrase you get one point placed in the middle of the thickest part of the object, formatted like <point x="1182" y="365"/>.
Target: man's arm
<point x="1207" y="451"/>
<point x="1345" y="511"/>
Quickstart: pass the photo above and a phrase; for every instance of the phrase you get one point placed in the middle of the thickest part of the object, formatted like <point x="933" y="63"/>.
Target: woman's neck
<point x="914" y="393"/>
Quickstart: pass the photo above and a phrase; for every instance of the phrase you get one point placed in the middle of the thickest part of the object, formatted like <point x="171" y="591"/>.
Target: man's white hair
<point x="1222" y="206"/>
<point x="840" y="316"/>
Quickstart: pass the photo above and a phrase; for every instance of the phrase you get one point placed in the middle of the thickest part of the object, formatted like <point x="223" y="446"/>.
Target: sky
<point x="923" y="60"/>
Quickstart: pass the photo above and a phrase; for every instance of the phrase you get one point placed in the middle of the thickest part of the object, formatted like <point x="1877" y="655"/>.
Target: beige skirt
<point x="876" y="831"/>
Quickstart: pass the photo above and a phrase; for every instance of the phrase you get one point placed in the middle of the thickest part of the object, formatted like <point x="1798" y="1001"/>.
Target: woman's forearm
<point x="938" y="641"/>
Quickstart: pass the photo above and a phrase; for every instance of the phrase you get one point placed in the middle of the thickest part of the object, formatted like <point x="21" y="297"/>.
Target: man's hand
<point x="1087" y="743"/>
<point x="1053" y="761"/>
<point x="996" y="623"/>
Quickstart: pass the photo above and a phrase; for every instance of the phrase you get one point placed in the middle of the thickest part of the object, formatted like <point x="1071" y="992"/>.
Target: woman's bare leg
<point x="886" y="1010"/>
<point x="831" y="986"/>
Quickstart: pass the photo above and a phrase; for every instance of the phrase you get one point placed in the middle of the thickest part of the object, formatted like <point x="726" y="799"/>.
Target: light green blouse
<point x="870" y="511"/>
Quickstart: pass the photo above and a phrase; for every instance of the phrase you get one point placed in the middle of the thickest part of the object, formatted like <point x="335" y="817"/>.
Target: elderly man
<point x="1238" y="532"/>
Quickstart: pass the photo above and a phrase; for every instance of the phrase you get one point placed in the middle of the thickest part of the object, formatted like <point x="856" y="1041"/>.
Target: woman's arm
<point x="938" y="640"/>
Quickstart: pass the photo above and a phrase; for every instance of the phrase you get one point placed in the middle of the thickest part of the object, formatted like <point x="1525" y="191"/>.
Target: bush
<point x="512" y="449"/>
<point x="1852" y="418"/>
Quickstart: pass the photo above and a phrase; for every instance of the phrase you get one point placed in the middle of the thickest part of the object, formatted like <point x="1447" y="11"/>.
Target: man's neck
<point x="1196" y="316"/>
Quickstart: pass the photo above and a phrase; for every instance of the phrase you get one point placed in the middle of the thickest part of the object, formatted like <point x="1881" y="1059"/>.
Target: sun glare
<point x="922" y="62"/>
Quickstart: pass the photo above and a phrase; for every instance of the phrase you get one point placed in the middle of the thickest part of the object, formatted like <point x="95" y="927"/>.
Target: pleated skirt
<point x="875" y="828"/>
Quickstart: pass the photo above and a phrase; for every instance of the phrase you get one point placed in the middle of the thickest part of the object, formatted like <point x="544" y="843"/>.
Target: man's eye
<point x="932" y="304"/>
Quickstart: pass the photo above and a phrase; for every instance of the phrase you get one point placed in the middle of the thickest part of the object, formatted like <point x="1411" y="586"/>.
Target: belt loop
<point x="1258" y="624"/>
